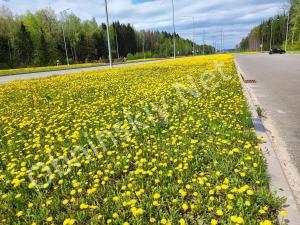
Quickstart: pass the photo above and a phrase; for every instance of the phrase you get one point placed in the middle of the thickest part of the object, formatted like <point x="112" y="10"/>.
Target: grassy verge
<point x="47" y="68"/>
<point x="62" y="67"/>
<point x="162" y="143"/>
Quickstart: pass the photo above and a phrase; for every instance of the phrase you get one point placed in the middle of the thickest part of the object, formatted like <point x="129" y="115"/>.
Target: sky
<point x="234" y="17"/>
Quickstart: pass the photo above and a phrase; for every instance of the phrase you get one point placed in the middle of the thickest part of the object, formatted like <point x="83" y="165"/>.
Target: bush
<point x="139" y="55"/>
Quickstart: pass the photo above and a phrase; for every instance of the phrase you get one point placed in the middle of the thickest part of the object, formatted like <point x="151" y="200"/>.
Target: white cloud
<point x="234" y="17"/>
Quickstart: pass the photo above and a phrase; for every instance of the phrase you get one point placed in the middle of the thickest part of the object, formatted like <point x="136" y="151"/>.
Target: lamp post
<point x="108" y="38"/>
<point x="62" y="26"/>
<point x="271" y="36"/>
<point x="262" y="42"/>
<point x="203" y="50"/>
<point x="222" y="41"/>
<point x="287" y="31"/>
<point x="193" y="32"/>
<point x="174" y="34"/>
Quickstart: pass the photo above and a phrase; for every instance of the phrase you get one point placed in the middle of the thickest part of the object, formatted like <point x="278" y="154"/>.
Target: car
<point x="276" y="51"/>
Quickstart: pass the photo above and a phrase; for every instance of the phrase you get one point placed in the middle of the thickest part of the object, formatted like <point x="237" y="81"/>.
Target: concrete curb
<point x="278" y="182"/>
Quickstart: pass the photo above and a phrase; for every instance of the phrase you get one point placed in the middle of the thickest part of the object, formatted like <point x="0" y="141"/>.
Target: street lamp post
<point x="287" y="30"/>
<point x="108" y="38"/>
<point x="203" y="47"/>
<point x="63" y="30"/>
<point x="174" y="34"/>
<point x="262" y="40"/>
<point x="193" y="32"/>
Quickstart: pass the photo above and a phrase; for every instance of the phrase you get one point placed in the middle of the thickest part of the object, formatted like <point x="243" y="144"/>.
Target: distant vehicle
<point x="276" y="51"/>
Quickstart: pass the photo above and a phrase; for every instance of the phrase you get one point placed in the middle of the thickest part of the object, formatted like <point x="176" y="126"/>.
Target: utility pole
<point x="222" y="49"/>
<point x="193" y="35"/>
<point x="193" y="32"/>
<point x="63" y="30"/>
<point x="203" y="46"/>
<point x="262" y="39"/>
<point x="287" y="30"/>
<point x="174" y="34"/>
<point x="108" y="39"/>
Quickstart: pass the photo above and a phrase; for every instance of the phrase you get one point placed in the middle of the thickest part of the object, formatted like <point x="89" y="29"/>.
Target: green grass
<point x="165" y="154"/>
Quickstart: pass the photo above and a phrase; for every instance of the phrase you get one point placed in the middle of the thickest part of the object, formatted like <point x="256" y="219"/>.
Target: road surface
<point x="28" y="76"/>
<point x="278" y="93"/>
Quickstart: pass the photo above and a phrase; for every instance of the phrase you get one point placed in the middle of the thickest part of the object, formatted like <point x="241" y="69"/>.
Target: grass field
<point x="163" y="143"/>
<point x="62" y="67"/>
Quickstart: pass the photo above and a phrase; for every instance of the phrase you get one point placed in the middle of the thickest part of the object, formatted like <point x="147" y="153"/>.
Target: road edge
<point x="46" y="74"/>
<point x="81" y="67"/>
<point x="278" y="181"/>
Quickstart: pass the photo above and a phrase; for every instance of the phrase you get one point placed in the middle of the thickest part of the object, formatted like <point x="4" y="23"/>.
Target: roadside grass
<point x="163" y="143"/>
<point x="63" y="67"/>
<point x="47" y="68"/>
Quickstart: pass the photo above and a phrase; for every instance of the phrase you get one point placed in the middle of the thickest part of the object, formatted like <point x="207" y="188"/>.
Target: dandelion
<point x="155" y="203"/>
<point x="283" y="213"/>
<point x="69" y="221"/>
<point x="266" y="222"/>
<point x="163" y="221"/>
<point x="83" y="206"/>
<point x="19" y="214"/>
<point x="182" y="221"/>
<point x="156" y="196"/>
<point x="250" y="192"/>
<point x="185" y="207"/>
<point x="152" y="220"/>
<point x="49" y="219"/>
<point x="18" y="196"/>
<point x="247" y="203"/>
<point x="219" y="212"/>
<point x="230" y="196"/>
<point x="214" y="222"/>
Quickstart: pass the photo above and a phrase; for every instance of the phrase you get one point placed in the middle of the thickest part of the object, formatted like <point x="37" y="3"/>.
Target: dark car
<point x="276" y="51"/>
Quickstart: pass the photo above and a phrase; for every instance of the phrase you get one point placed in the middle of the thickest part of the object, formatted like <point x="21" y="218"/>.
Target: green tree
<point x="43" y="50"/>
<point x="4" y="52"/>
<point x="24" y="45"/>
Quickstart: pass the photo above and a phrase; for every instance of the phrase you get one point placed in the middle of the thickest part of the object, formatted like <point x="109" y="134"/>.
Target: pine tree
<point x="4" y="52"/>
<point x="24" y="45"/>
<point x="44" y="50"/>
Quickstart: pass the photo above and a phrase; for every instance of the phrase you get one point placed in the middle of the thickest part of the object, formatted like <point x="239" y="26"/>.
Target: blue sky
<point x="234" y="17"/>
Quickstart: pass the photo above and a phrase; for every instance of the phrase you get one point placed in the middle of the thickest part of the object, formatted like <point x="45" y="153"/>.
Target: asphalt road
<point x="278" y="93"/>
<point x="36" y="75"/>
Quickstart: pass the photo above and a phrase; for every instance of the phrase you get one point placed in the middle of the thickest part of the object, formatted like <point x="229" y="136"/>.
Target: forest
<point x="36" y="39"/>
<point x="260" y="37"/>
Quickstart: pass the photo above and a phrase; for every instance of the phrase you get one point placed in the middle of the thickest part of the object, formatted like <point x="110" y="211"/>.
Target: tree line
<point x="36" y="39"/>
<point x="260" y="36"/>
